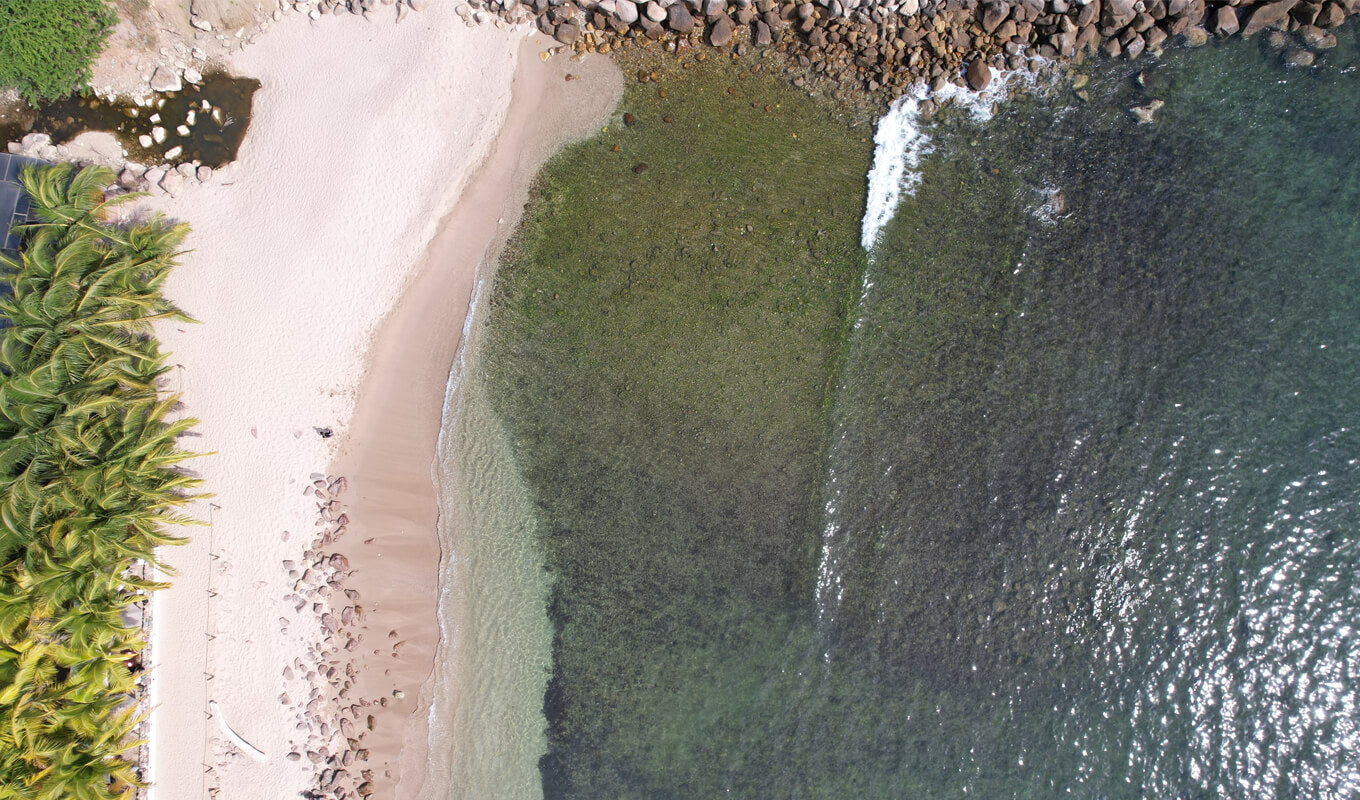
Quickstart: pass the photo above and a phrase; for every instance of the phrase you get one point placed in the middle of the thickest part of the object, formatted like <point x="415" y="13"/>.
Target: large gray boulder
<point x="165" y="79"/>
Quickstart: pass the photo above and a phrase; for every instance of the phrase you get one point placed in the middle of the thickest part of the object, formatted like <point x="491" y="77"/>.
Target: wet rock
<point x="1268" y="15"/>
<point x="1317" y="38"/>
<point x="1147" y="114"/>
<point x="1298" y="57"/>
<point x="978" y="75"/>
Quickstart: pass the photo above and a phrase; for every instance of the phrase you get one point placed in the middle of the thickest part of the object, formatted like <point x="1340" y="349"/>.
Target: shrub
<point x="47" y="46"/>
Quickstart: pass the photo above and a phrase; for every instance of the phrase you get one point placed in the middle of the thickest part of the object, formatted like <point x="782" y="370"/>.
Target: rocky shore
<point x="885" y="47"/>
<point x="330" y="721"/>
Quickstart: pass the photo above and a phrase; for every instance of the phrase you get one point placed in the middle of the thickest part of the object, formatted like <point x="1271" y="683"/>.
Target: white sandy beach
<point x="363" y="137"/>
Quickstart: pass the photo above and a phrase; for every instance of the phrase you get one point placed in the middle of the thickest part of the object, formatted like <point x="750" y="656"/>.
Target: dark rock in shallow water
<point x="1317" y="38"/>
<point x="1195" y="36"/>
<point x="1269" y="15"/>
<point x="979" y="75"/>
<point x="1298" y="57"/>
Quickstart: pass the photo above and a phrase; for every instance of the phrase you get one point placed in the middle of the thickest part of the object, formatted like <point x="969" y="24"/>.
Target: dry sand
<point x="364" y="135"/>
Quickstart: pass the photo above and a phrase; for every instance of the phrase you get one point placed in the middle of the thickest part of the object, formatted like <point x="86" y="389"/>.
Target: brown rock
<point x="1317" y="38"/>
<point x="1331" y="16"/>
<point x="1134" y="47"/>
<point x="1225" y="21"/>
<point x="721" y="33"/>
<point x="1154" y="37"/>
<point x="1088" y="13"/>
<point x="762" y="35"/>
<point x="1117" y="13"/>
<point x="993" y="16"/>
<point x="1298" y="57"/>
<point x="1268" y="15"/>
<point x="978" y="74"/>
<point x="1195" y="36"/>
<point x="679" y="19"/>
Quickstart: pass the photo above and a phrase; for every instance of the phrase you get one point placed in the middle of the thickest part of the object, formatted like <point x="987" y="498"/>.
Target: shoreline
<point x="297" y="252"/>
<point x="390" y="454"/>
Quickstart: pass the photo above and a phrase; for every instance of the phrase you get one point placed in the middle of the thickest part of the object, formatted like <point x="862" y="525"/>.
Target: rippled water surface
<point x="1086" y="516"/>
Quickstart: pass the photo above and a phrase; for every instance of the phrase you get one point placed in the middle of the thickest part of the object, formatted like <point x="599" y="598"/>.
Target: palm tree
<point x="89" y="481"/>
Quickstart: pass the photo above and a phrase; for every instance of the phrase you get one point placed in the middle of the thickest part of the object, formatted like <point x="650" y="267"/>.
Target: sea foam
<point x="900" y="144"/>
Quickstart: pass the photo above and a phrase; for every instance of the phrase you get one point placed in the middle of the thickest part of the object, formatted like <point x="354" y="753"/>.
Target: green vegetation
<point x="88" y="480"/>
<point x="47" y="46"/>
<point x="664" y="345"/>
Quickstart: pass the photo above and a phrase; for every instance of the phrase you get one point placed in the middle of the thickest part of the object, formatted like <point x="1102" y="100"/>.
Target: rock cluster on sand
<point x="331" y="723"/>
<point x="891" y="44"/>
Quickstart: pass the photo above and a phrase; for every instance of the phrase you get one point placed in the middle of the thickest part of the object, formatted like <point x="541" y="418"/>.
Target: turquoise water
<point x="1087" y="514"/>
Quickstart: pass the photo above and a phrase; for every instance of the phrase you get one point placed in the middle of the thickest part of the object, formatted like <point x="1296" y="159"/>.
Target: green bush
<point x="47" y="46"/>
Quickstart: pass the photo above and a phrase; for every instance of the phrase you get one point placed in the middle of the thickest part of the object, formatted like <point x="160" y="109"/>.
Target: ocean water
<point x="1056" y="494"/>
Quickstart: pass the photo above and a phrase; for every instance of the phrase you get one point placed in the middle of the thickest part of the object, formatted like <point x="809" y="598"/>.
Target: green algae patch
<point x="665" y="334"/>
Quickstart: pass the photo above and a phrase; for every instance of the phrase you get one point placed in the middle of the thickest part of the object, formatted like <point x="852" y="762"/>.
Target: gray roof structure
<point x="14" y="202"/>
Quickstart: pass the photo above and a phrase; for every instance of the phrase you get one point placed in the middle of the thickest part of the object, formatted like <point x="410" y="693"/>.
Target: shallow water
<point x="1066" y="505"/>
<point x="213" y="139"/>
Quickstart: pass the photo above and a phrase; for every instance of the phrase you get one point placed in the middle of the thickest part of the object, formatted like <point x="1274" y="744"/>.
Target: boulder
<point x="1195" y="36"/>
<point x="993" y="16"/>
<point x="1268" y="15"/>
<point x="1147" y="114"/>
<point x="1117" y="13"/>
<point x="567" y="32"/>
<point x="978" y="75"/>
<point x="173" y="152"/>
<point x="165" y="79"/>
<point x="1298" y="57"/>
<point x="762" y="36"/>
<point x="721" y="33"/>
<point x="172" y="183"/>
<point x="1317" y="38"/>
<point x="129" y="178"/>
<point x="714" y="8"/>
<point x="655" y="11"/>
<point x="1225" y="21"/>
<point x="626" y="11"/>
<point x="1134" y="47"/>
<point x="1331" y="16"/>
<point x="1154" y="37"/>
<point x="679" y="19"/>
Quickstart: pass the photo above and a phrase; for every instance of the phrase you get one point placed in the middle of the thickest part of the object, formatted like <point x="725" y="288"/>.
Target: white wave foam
<point x="900" y="144"/>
